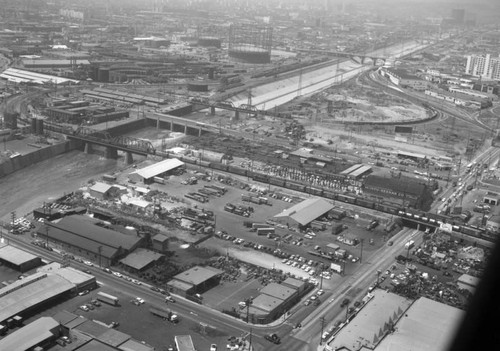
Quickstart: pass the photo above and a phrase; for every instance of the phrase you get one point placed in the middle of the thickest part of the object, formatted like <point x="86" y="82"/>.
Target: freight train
<point x="431" y="219"/>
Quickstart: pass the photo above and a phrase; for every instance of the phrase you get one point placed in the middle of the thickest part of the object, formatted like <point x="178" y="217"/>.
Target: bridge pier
<point x="158" y="122"/>
<point x="88" y="148"/>
<point x="236" y="115"/>
<point x="212" y="110"/>
<point x="128" y="158"/>
<point x="185" y="128"/>
<point x="199" y="132"/>
<point x="111" y="153"/>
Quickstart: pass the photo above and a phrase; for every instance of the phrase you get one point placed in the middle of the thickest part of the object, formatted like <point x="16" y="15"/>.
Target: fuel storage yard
<point x="229" y="186"/>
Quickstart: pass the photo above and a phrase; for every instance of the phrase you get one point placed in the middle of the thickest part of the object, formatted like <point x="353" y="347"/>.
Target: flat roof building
<point x="195" y="280"/>
<point x="305" y="212"/>
<point x="41" y="332"/>
<point x="17" y="259"/>
<point x="158" y="169"/>
<point x="25" y="294"/>
<point x="426" y="326"/>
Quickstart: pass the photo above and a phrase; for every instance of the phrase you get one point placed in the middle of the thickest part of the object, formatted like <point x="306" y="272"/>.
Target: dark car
<point x="273" y="338"/>
<point x="345" y="302"/>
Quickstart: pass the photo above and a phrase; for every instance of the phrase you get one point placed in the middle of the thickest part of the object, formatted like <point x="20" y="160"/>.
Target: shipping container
<point x="107" y="298"/>
<point x="266" y="231"/>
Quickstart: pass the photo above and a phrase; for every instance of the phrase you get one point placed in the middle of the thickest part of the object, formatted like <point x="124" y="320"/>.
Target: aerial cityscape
<point x="287" y="175"/>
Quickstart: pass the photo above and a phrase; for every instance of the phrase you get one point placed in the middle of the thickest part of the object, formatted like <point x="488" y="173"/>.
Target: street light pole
<point x="321" y="276"/>
<point x="361" y="253"/>
<point x="322" y="320"/>
<point x="378" y="277"/>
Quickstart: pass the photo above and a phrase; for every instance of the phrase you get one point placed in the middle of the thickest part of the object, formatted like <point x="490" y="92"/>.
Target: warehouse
<point x="140" y="260"/>
<point x="427" y="326"/>
<point x="92" y="335"/>
<point x="19" y="260"/>
<point x="302" y="214"/>
<point x="159" y="169"/>
<point x="195" y="280"/>
<point x="42" y="332"/>
<point x="101" y="191"/>
<point x="42" y="288"/>
<point x="264" y="309"/>
<point x="407" y="191"/>
<point x="86" y="237"/>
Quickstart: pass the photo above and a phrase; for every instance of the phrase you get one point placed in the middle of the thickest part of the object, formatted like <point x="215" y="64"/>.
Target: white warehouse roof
<point x="159" y="168"/>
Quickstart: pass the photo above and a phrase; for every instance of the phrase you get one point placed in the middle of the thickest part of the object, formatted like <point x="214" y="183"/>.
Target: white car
<point x="141" y="301"/>
<point x="117" y="274"/>
<point x="213" y="347"/>
<point x="320" y="292"/>
<point x="84" y="308"/>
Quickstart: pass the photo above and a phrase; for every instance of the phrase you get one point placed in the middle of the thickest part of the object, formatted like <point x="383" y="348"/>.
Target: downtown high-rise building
<point x="484" y="66"/>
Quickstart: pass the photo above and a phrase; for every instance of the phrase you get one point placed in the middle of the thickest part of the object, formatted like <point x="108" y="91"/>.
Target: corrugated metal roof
<point x="30" y="291"/>
<point x="82" y="232"/>
<point x="307" y="211"/>
<point x="159" y="168"/>
<point x="29" y="335"/>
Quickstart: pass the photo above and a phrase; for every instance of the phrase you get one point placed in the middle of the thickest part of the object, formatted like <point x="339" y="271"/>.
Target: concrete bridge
<point x="350" y="55"/>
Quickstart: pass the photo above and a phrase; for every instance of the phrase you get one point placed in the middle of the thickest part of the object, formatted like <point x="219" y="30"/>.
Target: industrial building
<point x="88" y="238"/>
<point x="17" y="259"/>
<point x="372" y="323"/>
<point x="160" y="243"/>
<point x="404" y="79"/>
<point x="274" y="300"/>
<point x="140" y="260"/>
<point x="92" y="335"/>
<point x="427" y="325"/>
<point x="101" y="191"/>
<point x="41" y="333"/>
<point x="22" y="76"/>
<point x="159" y="169"/>
<point x="410" y="192"/>
<point x="302" y="214"/>
<point x="48" y="285"/>
<point x="195" y="280"/>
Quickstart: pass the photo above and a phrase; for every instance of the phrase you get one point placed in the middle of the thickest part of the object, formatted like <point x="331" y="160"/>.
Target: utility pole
<point x="99" y="249"/>
<point x="361" y="252"/>
<point x="47" y="234"/>
<point x="321" y="276"/>
<point x="322" y="321"/>
<point x="250" y="340"/>
<point x="248" y="302"/>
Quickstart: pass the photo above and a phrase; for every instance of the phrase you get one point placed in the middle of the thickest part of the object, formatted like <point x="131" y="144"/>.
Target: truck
<point x="409" y="245"/>
<point x="266" y="231"/>
<point x="255" y="226"/>
<point x="166" y="314"/>
<point x="336" y="267"/>
<point x="229" y="207"/>
<point x="107" y="298"/>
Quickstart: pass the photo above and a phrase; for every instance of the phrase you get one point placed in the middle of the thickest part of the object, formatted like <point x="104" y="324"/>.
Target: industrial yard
<point x="254" y="177"/>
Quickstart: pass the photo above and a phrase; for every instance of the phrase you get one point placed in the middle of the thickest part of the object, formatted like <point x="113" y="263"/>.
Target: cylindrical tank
<point x="33" y="126"/>
<point x="39" y="126"/>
